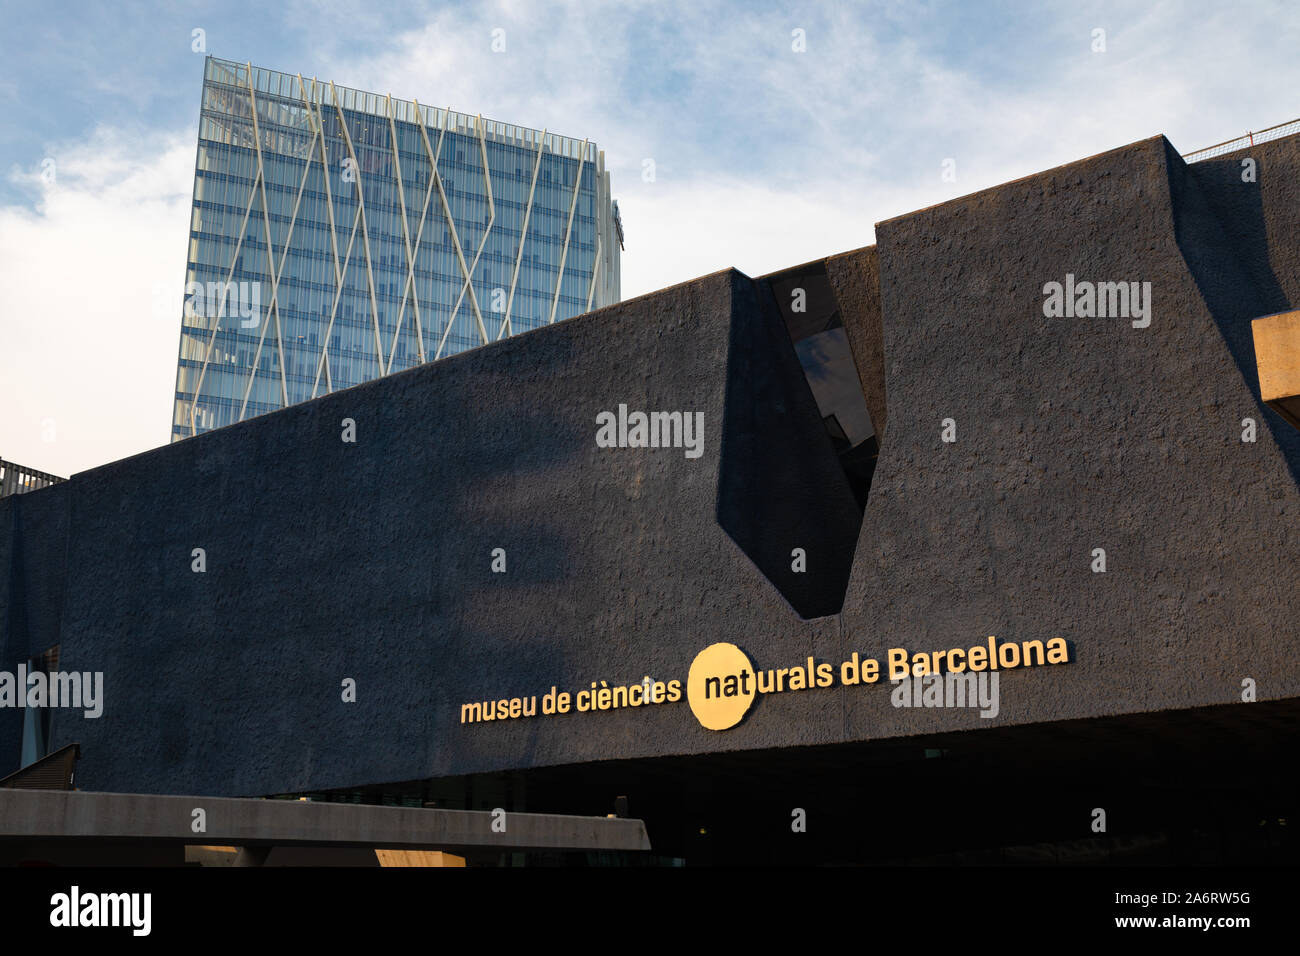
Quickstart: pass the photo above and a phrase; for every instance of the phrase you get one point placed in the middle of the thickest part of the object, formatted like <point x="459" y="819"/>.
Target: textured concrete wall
<point x="855" y="278"/>
<point x="1239" y="234"/>
<point x="1073" y="434"/>
<point x="371" y="560"/>
<point x="1260" y="217"/>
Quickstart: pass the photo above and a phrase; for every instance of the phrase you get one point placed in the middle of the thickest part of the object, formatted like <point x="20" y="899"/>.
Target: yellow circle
<point x="720" y="686"/>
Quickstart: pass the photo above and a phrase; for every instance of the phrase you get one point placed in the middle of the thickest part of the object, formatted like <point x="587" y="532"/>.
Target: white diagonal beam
<point x="318" y="123"/>
<point x="365" y="232"/>
<point x="460" y="257"/>
<point x="270" y="257"/>
<point x="221" y="308"/>
<point x="492" y="215"/>
<point x="406" y="237"/>
<point x="564" y="253"/>
<point x="276" y="273"/>
<point x="436" y="180"/>
<point x="523" y="237"/>
<point x="225" y="290"/>
<point x="338" y="294"/>
<point x="595" y="271"/>
<point x="428" y="196"/>
<point x="340" y="270"/>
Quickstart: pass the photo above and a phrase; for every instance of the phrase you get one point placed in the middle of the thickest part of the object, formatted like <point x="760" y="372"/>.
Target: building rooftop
<point x="275" y="83"/>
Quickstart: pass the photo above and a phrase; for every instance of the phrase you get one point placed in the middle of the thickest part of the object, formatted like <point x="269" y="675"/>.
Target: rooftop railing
<point x="275" y="83"/>
<point x="17" y="480"/>
<point x="1243" y="142"/>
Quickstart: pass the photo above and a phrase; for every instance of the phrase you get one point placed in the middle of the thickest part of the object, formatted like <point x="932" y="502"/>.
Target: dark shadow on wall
<point x="1219" y="225"/>
<point x="784" y="495"/>
<point x="510" y="454"/>
<point x="33" y="529"/>
<point x="14" y="642"/>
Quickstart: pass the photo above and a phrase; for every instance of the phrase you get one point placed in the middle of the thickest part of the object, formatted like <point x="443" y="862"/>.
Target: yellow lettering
<point x="897" y="663"/>
<point x="920" y="664"/>
<point x="1057" y="651"/>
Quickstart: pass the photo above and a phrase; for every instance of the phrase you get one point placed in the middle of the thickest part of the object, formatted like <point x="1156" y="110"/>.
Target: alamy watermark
<point x="651" y="430"/>
<point x="1101" y="300"/>
<point x="35" y="689"/>
<point x="75" y="908"/>
<point x="219" y="300"/>
<point x="949" y="690"/>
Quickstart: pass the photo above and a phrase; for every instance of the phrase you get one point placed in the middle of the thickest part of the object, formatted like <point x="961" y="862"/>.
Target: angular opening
<point x="798" y="447"/>
<point x="807" y="304"/>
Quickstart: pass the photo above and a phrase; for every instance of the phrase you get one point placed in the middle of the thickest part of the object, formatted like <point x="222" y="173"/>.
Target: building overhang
<point x="44" y="815"/>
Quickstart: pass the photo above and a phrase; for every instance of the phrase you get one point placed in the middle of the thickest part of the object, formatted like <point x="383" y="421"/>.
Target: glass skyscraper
<point x="397" y="233"/>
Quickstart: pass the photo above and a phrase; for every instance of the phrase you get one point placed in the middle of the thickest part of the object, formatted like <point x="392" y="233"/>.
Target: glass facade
<point x="338" y="235"/>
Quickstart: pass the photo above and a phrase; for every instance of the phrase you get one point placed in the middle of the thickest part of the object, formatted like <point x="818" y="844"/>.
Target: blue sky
<point x="764" y="156"/>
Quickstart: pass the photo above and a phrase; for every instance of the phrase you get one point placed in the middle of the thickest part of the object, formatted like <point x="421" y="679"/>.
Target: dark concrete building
<point x="1058" y="453"/>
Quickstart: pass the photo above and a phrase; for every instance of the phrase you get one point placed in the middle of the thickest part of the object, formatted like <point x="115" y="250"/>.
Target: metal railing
<point x="274" y="83"/>
<point x="17" y="480"/>
<point x="1243" y="142"/>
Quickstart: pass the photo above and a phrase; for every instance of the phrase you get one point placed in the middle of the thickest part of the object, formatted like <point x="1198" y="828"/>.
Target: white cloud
<point x="86" y="351"/>
<point x="680" y="231"/>
<point x="765" y="158"/>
